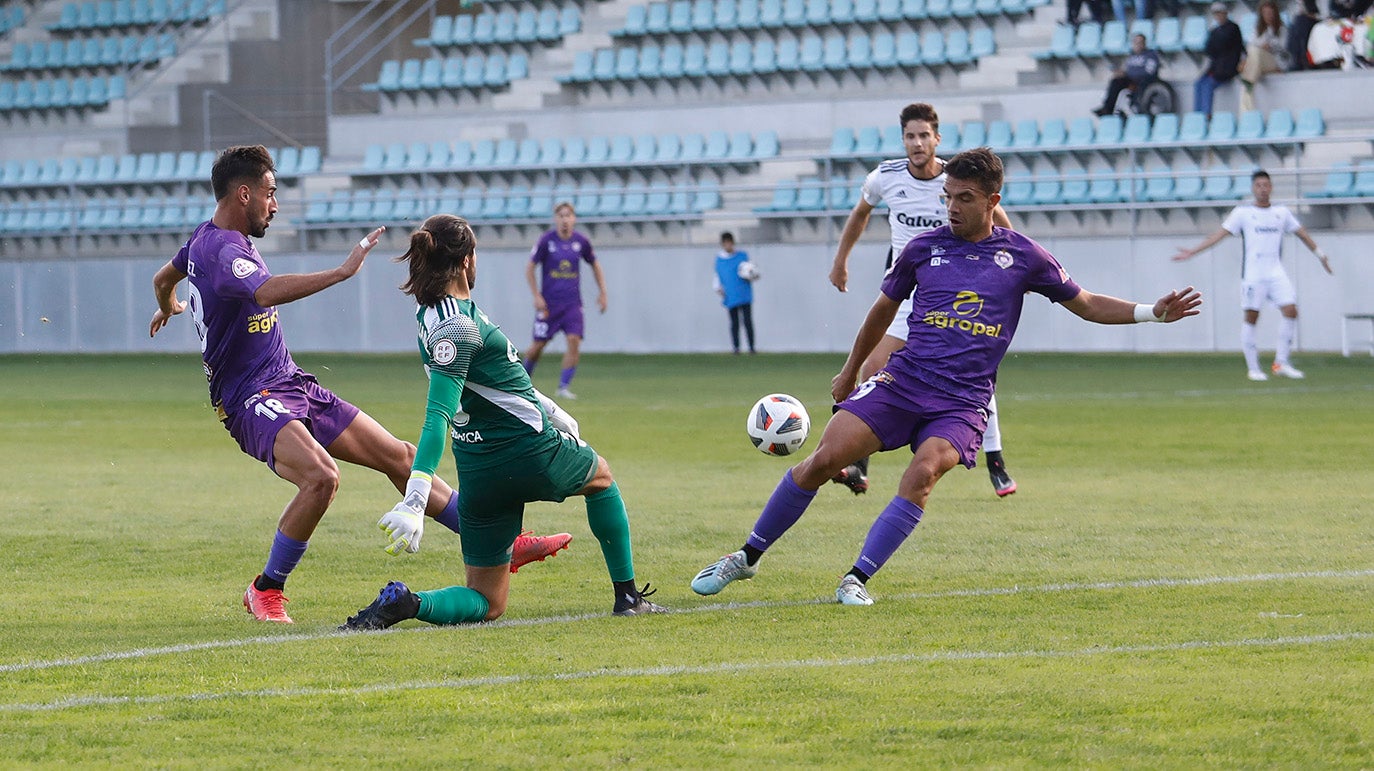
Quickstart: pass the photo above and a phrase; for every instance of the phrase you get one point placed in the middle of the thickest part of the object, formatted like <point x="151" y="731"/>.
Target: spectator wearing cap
<point x="1225" y="50"/>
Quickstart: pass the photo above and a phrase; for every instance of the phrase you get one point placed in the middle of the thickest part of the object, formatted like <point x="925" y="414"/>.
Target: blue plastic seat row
<point x="764" y="56"/>
<point x="517" y="203"/>
<point x="60" y="93"/>
<point x="1347" y="180"/>
<point x="106" y="14"/>
<point x="474" y="71"/>
<point x="1113" y="38"/>
<point x="572" y="152"/>
<point x="11" y="18"/>
<point x="668" y="17"/>
<point x="56" y="218"/>
<point x="811" y="195"/>
<point x="547" y="25"/>
<point x="142" y="168"/>
<point x="91" y="52"/>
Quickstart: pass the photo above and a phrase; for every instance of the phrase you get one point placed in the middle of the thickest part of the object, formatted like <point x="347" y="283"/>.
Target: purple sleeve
<point x="1048" y="277"/>
<point x="900" y="280"/>
<point x="182" y="257"/>
<point x="540" y="250"/>
<point x="588" y="255"/>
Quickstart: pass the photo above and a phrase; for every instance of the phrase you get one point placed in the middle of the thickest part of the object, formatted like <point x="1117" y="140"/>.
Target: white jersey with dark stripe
<point x="914" y="205"/>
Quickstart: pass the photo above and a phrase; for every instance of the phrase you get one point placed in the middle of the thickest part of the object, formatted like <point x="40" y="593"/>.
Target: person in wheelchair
<point x="1140" y="68"/>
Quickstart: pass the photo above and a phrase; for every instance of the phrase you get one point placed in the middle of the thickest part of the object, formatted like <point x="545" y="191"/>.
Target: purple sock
<point x="286" y="553"/>
<point x="782" y="511"/>
<point x="529" y="366"/>
<point x="449" y="516"/>
<point x="565" y="377"/>
<point x="889" y="530"/>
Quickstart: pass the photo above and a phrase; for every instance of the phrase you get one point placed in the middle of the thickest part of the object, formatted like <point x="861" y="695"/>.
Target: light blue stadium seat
<point x="1087" y="44"/>
<point x="694" y="59"/>
<point x="569" y="20"/>
<point x="718" y="58"/>
<point x="841" y="13"/>
<point x="765" y="58"/>
<point x="373" y="157"/>
<point x="1218" y="183"/>
<point x="1026" y="134"/>
<point x="693" y="148"/>
<point x="982" y="43"/>
<point x="1250" y="125"/>
<point x="627" y="64"/>
<point x="1280" y="126"/>
<point x="999" y="135"/>
<point x="1159" y="186"/>
<point x="748" y="14"/>
<point x="574" y="151"/>
<point x="462" y="154"/>
<point x="1104" y="188"/>
<point x="598" y="150"/>
<point x="527" y="26"/>
<point x="858" y="53"/>
<point x="932" y="48"/>
<point x="884" y="50"/>
<point x="890" y="10"/>
<point x="309" y="163"/>
<point x="680" y="16"/>
<point x="1164" y="128"/>
<point x="1114" y="38"/>
<point x="1309" y="123"/>
<point x="707" y="196"/>
<point x="166" y="168"/>
<point x="950" y="140"/>
<point x="810" y="195"/>
<point x="546" y="28"/>
<point x="1222" y="128"/>
<point x="725" y="16"/>
<point x="551" y="151"/>
<point x="1137" y="130"/>
<point x="656" y="18"/>
<point x="603" y="66"/>
<point x="1054" y="133"/>
<point x="1364" y="178"/>
<point x="484" y="29"/>
<point x="432" y="74"/>
<point x="717" y="146"/>
<point x="528" y="153"/>
<point x="635" y="203"/>
<point x="440" y="32"/>
<point x="408" y="207"/>
<point x="439" y="155"/>
<point x="69" y="170"/>
<point x="868" y="141"/>
<point x="1340" y="181"/>
<point x="973" y="134"/>
<point x="581" y="71"/>
<point x="644" y="149"/>
<point x="891" y="143"/>
<point x="383" y="206"/>
<point x="908" y="48"/>
<point x="741" y="57"/>
<point x="865" y="11"/>
<point x="842" y="194"/>
<point x="767" y="145"/>
<point x="410" y="75"/>
<point x="388" y="79"/>
<point x="494" y="205"/>
<point x="816" y="13"/>
<point x="934" y="9"/>
<point x="452" y="75"/>
<point x="1047" y="191"/>
<point x="842" y="141"/>
<point x="963" y="9"/>
<point x="506" y="152"/>
<point x="1168" y="37"/>
<point x="668" y="148"/>
<point x="1194" y="34"/>
<point x="484" y="152"/>
<point x="146" y="169"/>
<point x="1017" y="191"/>
<point x="417" y="157"/>
<point x="1188" y="181"/>
<point x="1109" y="130"/>
<point x="504" y="33"/>
<point x="812" y="53"/>
<point x="770" y="13"/>
<point x="650" y="65"/>
<point x="957" y="48"/>
<point x="741" y="146"/>
<point x="794" y="13"/>
<point x="1193" y="128"/>
<point x="622" y="149"/>
<point x="1061" y="44"/>
<point x="1075" y="187"/>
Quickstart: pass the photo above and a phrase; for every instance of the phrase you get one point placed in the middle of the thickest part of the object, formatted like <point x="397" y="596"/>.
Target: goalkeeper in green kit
<point x="511" y="445"/>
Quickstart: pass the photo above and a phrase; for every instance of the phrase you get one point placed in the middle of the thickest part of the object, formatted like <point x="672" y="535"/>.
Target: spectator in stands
<point x="558" y="297"/>
<point x="734" y="282"/>
<point x="1144" y="9"/>
<point x="1265" y="54"/>
<point x="1298" y="32"/>
<point x="1141" y="67"/>
<point x="1350" y="9"/>
<point x="1098" y="9"/>
<point x="1225" y="48"/>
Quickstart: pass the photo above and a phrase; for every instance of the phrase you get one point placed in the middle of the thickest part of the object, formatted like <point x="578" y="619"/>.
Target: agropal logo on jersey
<point x="967" y="307"/>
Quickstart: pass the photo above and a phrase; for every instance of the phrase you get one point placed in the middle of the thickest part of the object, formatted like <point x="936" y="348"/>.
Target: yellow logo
<point x="968" y="303"/>
<point x="262" y="322"/>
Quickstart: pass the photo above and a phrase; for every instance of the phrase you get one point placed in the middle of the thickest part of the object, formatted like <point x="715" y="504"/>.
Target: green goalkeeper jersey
<point x="478" y="391"/>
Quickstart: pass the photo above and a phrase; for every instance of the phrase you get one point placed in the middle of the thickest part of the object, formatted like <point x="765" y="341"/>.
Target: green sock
<point x="611" y="526"/>
<point x="454" y="605"/>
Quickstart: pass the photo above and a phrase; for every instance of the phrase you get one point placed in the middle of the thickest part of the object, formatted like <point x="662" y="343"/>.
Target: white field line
<point x="724" y="667"/>
<point x="1142" y="583"/>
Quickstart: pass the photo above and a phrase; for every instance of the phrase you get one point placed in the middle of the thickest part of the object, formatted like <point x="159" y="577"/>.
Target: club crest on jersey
<point x="445" y="352"/>
<point x="243" y="267"/>
<point x="1002" y="259"/>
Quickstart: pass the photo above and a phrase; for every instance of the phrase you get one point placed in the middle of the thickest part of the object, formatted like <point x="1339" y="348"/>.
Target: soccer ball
<point x="778" y="424"/>
<point x="747" y="271"/>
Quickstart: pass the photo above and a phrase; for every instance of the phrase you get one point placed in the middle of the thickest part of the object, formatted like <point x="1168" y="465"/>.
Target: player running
<point x="912" y="187"/>
<point x="1262" y="226"/>
<point x="969" y="281"/>
<point x="507" y="450"/>
<point x="559" y="254"/>
<point x="277" y="412"/>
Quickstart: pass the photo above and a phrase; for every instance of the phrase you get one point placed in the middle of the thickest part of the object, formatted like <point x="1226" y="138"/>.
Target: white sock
<point x="1248" y="346"/>
<point x="1288" y="329"/>
<point x="992" y="438"/>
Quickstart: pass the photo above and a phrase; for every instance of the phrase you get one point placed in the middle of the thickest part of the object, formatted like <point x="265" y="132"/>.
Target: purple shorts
<point x="254" y="423"/>
<point x="899" y="420"/>
<point x="566" y="319"/>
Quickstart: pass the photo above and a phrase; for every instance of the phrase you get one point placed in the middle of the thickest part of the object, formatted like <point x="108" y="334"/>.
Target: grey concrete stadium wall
<point x="661" y="300"/>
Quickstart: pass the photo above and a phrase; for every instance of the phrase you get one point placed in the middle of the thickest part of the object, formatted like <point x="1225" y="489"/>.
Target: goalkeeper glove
<point x="405" y="523"/>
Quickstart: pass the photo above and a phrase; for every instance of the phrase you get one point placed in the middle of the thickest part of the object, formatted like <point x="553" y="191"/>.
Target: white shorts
<point x="899" y="327"/>
<point x="1275" y="289"/>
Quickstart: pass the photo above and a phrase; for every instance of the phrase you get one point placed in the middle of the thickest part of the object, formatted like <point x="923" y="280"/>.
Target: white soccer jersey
<point x="914" y="205"/>
<point x="1261" y="231"/>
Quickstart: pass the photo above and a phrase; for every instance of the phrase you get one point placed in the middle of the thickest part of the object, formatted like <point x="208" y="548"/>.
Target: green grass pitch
<point x="1183" y="580"/>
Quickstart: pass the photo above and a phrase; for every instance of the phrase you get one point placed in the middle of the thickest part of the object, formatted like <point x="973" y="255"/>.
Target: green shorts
<point x="491" y="501"/>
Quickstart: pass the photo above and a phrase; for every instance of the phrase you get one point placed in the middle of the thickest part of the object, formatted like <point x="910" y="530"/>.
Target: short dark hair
<point x="919" y="111"/>
<point x="980" y="166"/>
<point x="727" y="236"/>
<point x="1258" y="174"/>
<point x="239" y="164"/>
<point x="436" y="255"/>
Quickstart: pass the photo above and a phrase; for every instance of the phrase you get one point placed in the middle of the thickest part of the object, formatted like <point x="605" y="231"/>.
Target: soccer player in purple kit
<point x="969" y="279"/>
<point x="277" y="412"/>
<point x="558" y="294"/>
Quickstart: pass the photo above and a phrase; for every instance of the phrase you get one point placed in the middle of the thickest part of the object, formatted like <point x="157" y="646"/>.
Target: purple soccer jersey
<point x="967" y="304"/>
<point x="560" y="283"/>
<point x="241" y="344"/>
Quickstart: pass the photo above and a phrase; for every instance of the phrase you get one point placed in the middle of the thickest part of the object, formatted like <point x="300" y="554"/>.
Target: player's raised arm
<point x="165" y="290"/>
<point x="290" y="287"/>
<point x="1185" y="253"/>
<point x="1104" y="309"/>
